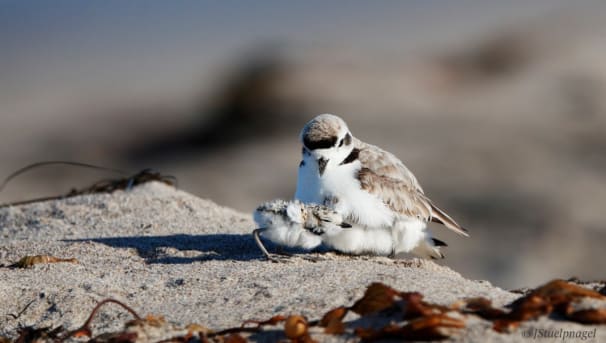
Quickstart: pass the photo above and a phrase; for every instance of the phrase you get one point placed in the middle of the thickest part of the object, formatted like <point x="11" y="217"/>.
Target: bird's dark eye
<point x="324" y="143"/>
<point x="341" y="143"/>
<point x="347" y="139"/>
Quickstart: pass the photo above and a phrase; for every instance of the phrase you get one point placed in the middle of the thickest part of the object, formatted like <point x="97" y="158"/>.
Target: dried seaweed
<point x="85" y="329"/>
<point x="409" y="318"/>
<point x="426" y="328"/>
<point x="30" y="261"/>
<point x="235" y="338"/>
<point x="296" y="329"/>
<point x="555" y="297"/>
<point x="16" y="316"/>
<point x="126" y="183"/>
<point x="30" y="334"/>
<point x="426" y="321"/>
<point x="259" y="323"/>
<point x="332" y="321"/>
<point x="129" y="181"/>
<point x="432" y="322"/>
<point x="378" y="297"/>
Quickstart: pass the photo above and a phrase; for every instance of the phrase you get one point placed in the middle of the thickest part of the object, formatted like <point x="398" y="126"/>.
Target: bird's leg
<point x="256" y="234"/>
<point x="269" y="256"/>
<point x="392" y="254"/>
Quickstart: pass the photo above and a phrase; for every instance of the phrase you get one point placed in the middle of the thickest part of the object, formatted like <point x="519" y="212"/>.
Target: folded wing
<point x="397" y="187"/>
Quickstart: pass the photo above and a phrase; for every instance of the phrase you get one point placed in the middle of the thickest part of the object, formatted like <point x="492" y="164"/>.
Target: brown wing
<point x="386" y="164"/>
<point x="386" y="176"/>
<point x="398" y="195"/>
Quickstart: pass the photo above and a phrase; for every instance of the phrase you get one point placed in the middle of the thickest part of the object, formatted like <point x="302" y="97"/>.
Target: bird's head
<point x="327" y="139"/>
<point x="295" y="211"/>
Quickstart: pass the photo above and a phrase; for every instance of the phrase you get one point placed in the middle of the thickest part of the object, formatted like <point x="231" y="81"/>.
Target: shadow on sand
<point x="160" y="249"/>
<point x="205" y="247"/>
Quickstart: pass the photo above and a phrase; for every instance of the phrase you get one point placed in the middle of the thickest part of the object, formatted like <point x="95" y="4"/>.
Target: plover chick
<point x="294" y="224"/>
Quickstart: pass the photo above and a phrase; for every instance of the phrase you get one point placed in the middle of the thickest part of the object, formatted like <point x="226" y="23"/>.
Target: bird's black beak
<point x="345" y="225"/>
<point x="322" y="165"/>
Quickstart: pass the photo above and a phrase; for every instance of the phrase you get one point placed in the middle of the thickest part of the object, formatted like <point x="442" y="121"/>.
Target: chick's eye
<point x="341" y="143"/>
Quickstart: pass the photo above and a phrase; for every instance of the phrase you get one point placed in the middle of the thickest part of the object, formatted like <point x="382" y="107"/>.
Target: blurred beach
<point x="499" y="108"/>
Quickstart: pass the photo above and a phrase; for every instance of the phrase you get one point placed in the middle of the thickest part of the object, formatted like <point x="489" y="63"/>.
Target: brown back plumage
<point x="385" y="176"/>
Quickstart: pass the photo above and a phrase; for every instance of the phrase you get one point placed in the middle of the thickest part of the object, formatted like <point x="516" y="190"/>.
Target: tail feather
<point x="439" y="216"/>
<point x="438" y="242"/>
<point x="429" y="248"/>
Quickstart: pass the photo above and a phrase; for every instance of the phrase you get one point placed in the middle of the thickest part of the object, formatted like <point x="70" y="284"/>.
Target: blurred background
<point x="498" y="107"/>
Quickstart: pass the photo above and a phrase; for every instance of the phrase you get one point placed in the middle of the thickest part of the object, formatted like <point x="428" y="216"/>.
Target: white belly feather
<point x="359" y="206"/>
<point x="359" y="240"/>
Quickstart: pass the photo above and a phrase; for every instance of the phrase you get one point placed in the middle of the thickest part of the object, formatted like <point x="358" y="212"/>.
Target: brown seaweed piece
<point x="30" y="261"/>
<point x="29" y="334"/>
<point x="555" y="297"/>
<point x="426" y="328"/>
<point x="427" y="321"/>
<point x="103" y="186"/>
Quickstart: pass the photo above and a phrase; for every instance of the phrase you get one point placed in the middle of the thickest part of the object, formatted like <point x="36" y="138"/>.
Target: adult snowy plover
<point x="294" y="224"/>
<point x="371" y="188"/>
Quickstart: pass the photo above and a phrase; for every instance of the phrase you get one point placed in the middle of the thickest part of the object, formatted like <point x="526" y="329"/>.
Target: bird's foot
<point x="312" y="258"/>
<point x="286" y="258"/>
<point x="277" y="258"/>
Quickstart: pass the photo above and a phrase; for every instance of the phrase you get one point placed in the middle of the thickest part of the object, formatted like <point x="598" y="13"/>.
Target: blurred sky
<point x="57" y="53"/>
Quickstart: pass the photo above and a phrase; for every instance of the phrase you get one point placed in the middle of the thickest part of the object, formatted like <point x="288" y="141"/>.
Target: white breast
<point x="308" y="182"/>
<point x="355" y="203"/>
